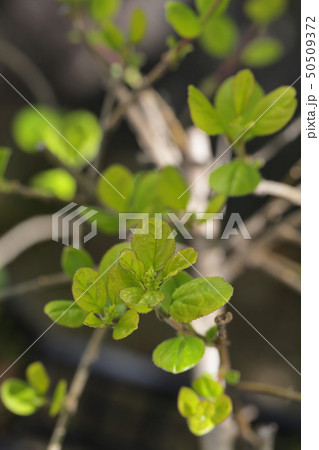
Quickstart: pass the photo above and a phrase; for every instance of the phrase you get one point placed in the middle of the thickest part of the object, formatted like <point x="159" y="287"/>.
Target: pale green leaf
<point x="263" y="12"/>
<point x="56" y="182"/>
<point x="183" y="19"/>
<point x="203" y="113"/>
<point x="262" y="51"/>
<point x="93" y="321"/>
<point x="219" y="37"/>
<point x="206" y="387"/>
<point x="129" y="261"/>
<point x="179" y="261"/>
<point x="65" y="312"/>
<point x="89" y="290"/>
<point x="140" y="300"/>
<point x="216" y="204"/>
<point x="110" y="258"/>
<point x="243" y="87"/>
<point x="170" y="187"/>
<point x="103" y="9"/>
<point x="73" y="259"/>
<point x="179" y="354"/>
<point x="223" y="408"/>
<point x="170" y="285"/>
<point x="187" y="402"/>
<point x="38" y="377"/>
<point x="58" y="398"/>
<point x="126" y="325"/>
<point x="117" y="182"/>
<point x="5" y="154"/>
<point x="138" y="26"/>
<point x="203" y="6"/>
<point x="199" y="297"/>
<point x="20" y="398"/>
<point x="201" y="423"/>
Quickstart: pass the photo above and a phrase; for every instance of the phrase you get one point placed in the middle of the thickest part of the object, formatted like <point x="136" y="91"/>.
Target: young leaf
<point x="170" y="186"/>
<point x="88" y="290"/>
<point x="179" y="261"/>
<point x="211" y="334"/>
<point x="113" y="36"/>
<point x="216" y="204"/>
<point x="263" y="12"/>
<point x="38" y="377"/>
<point x="203" y="113"/>
<point x="223" y="408"/>
<point x="235" y="179"/>
<point x="121" y="179"/>
<point x="58" y="398"/>
<point x="65" y="312"/>
<point x="110" y="258"/>
<point x="140" y="300"/>
<point x="232" y="377"/>
<point x="126" y="325"/>
<point x="73" y="259"/>
<point x="203" y="6"/>
<point x="199" y="297"/>
<point x="106" y="222"/>
<point x="179" y="354"/>
<point x="93" y="321"/>
<point x="243" y="87"/>
<point x="274" y="111"/>
<point x="219" y="36"/>
<point x="170" y="285"/>
<point x="187" y="402"/>
<point x="103" y="9"/>
<point x="262" y="51"/>
<point x="20" y="398"/>
<point x="57" y="182"/>
<point x="5" y="154"/>
<point x="138" y="26"/>
<point x="201" y="423"/>
<point x="183" y="19"/>
<point x="129" y="261"/>
<point x="153" y="243"/>
<point x="206" y="387"/>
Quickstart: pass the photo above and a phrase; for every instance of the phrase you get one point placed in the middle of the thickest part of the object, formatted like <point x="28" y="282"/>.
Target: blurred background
<point x="129" y="403"/>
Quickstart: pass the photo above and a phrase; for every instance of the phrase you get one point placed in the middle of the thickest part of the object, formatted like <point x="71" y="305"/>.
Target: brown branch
<point x="266" y="389"/>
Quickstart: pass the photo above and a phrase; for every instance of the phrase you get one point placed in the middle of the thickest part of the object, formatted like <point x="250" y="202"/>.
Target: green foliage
<point x="138" y="26"/>
<point x="89" y="290"/>
<point x="203" y="113"/>
<point x="262" y="51"/>
<point x="204" y="6"/>
<point x="20" y="398"/>
<point x="110" y="257"/>
<point x="219" y="36"/>
<point x="57" y="182"/>
<point x="58" y="398"/>
<point x="73" y="259"/>
<point x="93" y="321"/>
<point x="179" y="354"/>
<point x="122" y="180"/>
<point x="179" y="261"/>
<point x="170" y="285"/>
<point x="204" y="414"/>
<point x="38" y="377"/>
<point x="216" y="204"/>
<point x="65" y="312"/>
<point x="232" y="377"/>
<point x="101" y="10"/>
<point x="243" y="88"/>
<point x="5" y="154"/>
<point x="126" y="325"/>
<point x="183" y="19"/>
<point x="235" y="179"/>
<point x="263" y="12"/>
<point x="199" y="297"/>
<point x="211" y="334"/>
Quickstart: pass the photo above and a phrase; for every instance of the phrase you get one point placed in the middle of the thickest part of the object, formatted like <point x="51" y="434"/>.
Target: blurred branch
<point x="76" y="389"/>
<point x="16" y="188"/>
<point x="21" y="65"/>
<point x="267" y="389"/>
<point x="277" y="189"/>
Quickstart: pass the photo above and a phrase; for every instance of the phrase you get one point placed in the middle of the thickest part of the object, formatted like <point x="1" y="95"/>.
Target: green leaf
<point x="140" y="300"/>
<point x="94" y="322"/>
<point x="203" y="113"/>
<point x="187" y="402"/>
<point x="223" y="408"/>
<point x="263" y="12"/>
<point x="262" y="51"/>
<point x="57" y="182"/>
<point x="183" y="19"/>
<point x="153" y="243"/>
<point x="121" y="179"/>
<point x="65" y="312"/>
<point x="201" y="423"/>
<point x="38" y="377"/>
<point x="126" y="325"/>
<point x="170" y="285"/>
<point x="179" y="354"/>
<point x="274" y="111"/>
<point x="113" y="37"/>
<point x="232" y="377"/>
<point x="58" y="398"/>
<point x="216" y="204"/>
<point x="81" y="139"/>
<point x="235" y="179"/>
<point x="89" y="290"/>
<point x="243" y="87"/>
<point x="129" y="261"/>
<point x="73" y="259"/>
<point x="138" y="26"/>
<point x="30" y="127"/>
<point x="146" y="196"/>
<point x="110" y="258"/>
<point x="199" y="297"/>
<point x="179" y="261"/>
<point x="5" y="154"/>
<point x="219" y="36"/>
<point x="103" y="9"/>
<point x="211" y="334"/>
<point x="203" y="6"/>
<point x="170" y="186"/>
<point x="106" y="222"/>
<point x="20" y="398"/>
<point x="206" y="387"/>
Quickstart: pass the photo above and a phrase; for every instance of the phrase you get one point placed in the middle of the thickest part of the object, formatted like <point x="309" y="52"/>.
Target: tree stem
<point x="76" y="389"/>
<point x="266" y="389"/>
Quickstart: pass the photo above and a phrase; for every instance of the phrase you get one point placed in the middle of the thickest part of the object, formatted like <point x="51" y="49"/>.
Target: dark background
<point x="129" y="404"/>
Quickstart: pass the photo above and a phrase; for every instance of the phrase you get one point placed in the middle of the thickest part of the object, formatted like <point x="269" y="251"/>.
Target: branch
<point x="16" y="188"/>
<point x="268" y="187"/>
<point x="76" y="389"/>
<point x="267" y="389"/>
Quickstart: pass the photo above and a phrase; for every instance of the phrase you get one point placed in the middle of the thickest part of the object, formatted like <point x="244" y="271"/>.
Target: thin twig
<point x="267" y="389"/>
<point x="277" y="189"/>
<point x="76" y="389"/>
